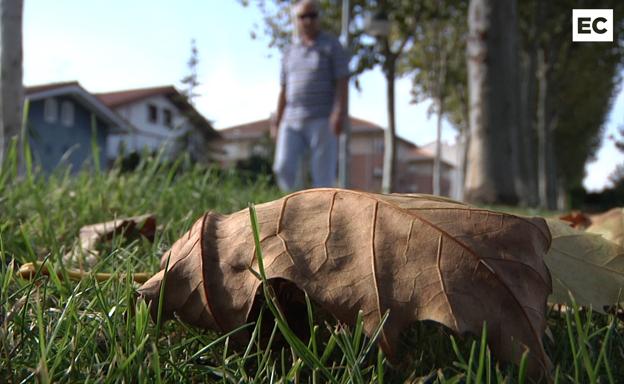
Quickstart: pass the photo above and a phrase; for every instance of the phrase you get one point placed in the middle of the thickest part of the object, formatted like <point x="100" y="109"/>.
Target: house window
<point x="67" y="113"/>
<point x="152" y="113"/>
<point x="50" y="110"/>
<point x="168" y="117"/>
<point x="377" y="172"/>
<point x="378" y="145"/>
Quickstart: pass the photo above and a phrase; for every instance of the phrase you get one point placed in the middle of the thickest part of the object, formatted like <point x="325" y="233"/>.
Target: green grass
<point x="55" y="330"/>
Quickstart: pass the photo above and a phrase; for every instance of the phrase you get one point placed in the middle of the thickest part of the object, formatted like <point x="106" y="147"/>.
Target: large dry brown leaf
<point x="586" y="265"/>
<point x="610" y="225"/>
<point x="420" y="257"/>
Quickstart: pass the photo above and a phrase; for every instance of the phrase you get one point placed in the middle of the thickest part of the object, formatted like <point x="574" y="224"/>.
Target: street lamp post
<point x="378" y="25"/>
<point x="345" y="136"/>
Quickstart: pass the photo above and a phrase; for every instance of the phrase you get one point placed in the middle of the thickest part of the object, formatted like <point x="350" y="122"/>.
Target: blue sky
<point x="110" y="45"/>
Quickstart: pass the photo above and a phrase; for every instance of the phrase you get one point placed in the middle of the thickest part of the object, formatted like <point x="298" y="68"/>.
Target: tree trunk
<point x="437" y="166"/>
<point x="546" y="123"/>
<point x="510" y="54"/>
<point x="11" y="88"/>
<point x="344" y="139"/>
<point x="542" y="131"/>
<point x="464" y="142"/>
<point x="552" y="178"/>
<point x="527" y="107"/>
<point x="389" y="165"/>
<point x="492" y="154"/>
<point x="441" y="83"/>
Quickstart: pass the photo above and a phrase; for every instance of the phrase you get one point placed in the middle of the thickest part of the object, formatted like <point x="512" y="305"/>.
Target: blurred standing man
<point x="312" y="101"/>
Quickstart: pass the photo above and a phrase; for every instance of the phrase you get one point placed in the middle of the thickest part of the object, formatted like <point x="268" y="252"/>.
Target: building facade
<point x="65" y="123"/>
<point x="162" y="119"/>
<point x="414" y="172"/>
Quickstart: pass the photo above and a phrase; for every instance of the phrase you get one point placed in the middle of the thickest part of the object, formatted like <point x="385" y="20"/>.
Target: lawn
<point x="56" y="330"/>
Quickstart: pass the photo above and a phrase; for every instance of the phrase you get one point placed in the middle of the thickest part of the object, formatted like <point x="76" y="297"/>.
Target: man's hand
<point x="335" y="123"/>
<point x="277" y="118"/>
<point x="273" y="130"/>
<point x="338" y="115"/>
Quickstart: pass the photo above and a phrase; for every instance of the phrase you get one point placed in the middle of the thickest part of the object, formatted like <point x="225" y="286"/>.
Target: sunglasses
<point x="309" y="15"/>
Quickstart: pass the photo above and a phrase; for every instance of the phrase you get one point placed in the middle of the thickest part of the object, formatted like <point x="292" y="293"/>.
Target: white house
<point x="451" y="153"/>
<point x="161" y="118"/>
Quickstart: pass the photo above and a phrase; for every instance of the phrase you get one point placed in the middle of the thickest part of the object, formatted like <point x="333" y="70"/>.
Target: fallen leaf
<point x="91" y="236"/>
<point x="420" y="257"/>
<point x="586" y="265"/>
<point x="610" y="225"/>
<point x="29" y="271"/>
<point x="577" y="220"/>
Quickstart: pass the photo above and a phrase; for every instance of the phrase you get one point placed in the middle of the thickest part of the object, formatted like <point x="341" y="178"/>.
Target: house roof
<point x="125" y="97"/>
<point x="425" y="154"/>
<point x="359" y="125"/>
<point x="32" y="90"/>
<point x="81" y="95"/>
<point x="119" y="98"/>
<point x="450" y="152"/>
<point x="251" y="130"/>
<point x="256" y="129"/>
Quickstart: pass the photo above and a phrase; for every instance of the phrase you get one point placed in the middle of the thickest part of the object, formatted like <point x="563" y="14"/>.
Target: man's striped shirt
<point x="309" y="74"/>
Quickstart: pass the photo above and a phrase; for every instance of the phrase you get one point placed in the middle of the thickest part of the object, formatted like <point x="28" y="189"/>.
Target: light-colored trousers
<point x="294" y="141"/>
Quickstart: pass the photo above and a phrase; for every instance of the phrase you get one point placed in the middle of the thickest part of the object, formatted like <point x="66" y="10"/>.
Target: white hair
<point x="293" y="14"/>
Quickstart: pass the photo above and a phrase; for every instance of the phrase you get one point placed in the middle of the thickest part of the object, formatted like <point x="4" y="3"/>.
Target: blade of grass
<point x="570" y="330"/>
<point x="156" y="364"/>
<point x="582" y="342"/>
<point x="26" y="151"/>
<point x="482" y="348"/>
<point x="42" y="368"/>
<point x="95" y="148"/>
<point x="473" y="347"/>
<point x="380" y="366"/>
<point x="301" y="349"/>
<point x="161" y="298"/>
<point x="458" y="355"/>
<point x="523" y="367"/>
<point x="603" y="347"/>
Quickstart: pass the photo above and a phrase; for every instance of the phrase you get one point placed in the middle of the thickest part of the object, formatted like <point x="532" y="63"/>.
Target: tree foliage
<point x="584" y="80"/>
<point x="444" y="31"/>
<point x="619" y="143"/>
<point x="405" y="17"/>
<point x="191" y="80"/>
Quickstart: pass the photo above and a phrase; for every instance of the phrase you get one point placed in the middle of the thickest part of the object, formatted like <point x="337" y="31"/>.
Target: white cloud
<point x="597" y="172"/>
<point x="229" y="97"/>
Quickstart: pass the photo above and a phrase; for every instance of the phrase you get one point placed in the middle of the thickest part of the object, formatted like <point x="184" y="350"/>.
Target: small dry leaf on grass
<point x="86" y="253"/>
<point x="586" y="265"/>
<point x="420" y="257"/>
<point x="576" y="219"/>
<point x="91" y="236"/>
<point x="610" y="225"/>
